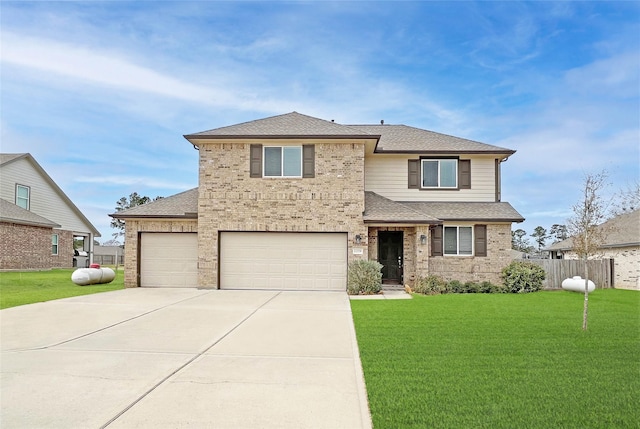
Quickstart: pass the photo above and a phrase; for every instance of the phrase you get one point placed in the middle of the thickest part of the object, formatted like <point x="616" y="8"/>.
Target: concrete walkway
<point x="171" y="358"/>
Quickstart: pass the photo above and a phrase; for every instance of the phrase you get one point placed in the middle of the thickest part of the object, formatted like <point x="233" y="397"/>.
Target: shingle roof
<point x="182" y="205"/>
<point x="12" y="213"/>
<point x="468" y="211"/>
<point x="391" y="138"/>
<point x="620" y="231"/>
<point x="402" y="138"/>
<point x="292" y="124"/>
<point x="381" y="209"/>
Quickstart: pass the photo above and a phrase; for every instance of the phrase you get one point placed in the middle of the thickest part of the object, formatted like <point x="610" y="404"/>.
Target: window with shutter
<point x="464" y="174"/>
<point x="480" y="244"/>
<point x="414" y="174"/>
<point x="436" y="240"/>
<point x="308" y="161"/>
<point x="255" y="161"/>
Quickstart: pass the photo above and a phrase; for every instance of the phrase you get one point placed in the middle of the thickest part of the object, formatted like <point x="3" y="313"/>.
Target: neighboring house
<point x="38" y="222"/>
<point x="621" y="243"/>
<point x="288" y="201"/>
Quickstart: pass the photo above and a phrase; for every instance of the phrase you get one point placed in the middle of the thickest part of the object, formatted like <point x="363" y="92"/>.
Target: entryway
<point x="390" y="255"/>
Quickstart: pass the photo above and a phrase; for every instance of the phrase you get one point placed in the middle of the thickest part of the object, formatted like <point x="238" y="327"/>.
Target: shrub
<point x="488" y="287"/>
<point x="364" y="277"/>
<point x="522" y="277"/>
<point x="430" y="285"/>
<point x="454" y="286"/>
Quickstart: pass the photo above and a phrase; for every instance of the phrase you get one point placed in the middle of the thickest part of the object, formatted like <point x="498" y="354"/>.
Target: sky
<point x="101" y="93"/>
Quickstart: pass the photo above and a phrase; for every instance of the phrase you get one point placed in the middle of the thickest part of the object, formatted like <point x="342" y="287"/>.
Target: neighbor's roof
<point x="12" y="213"/>
<point x="182" y="205"/>
<point x="620" y="231"/>
<point x="379" y="209"/>
<point x="468" y="211"/>
<point x="7" y="158"/>
<point x="389" y="138"/>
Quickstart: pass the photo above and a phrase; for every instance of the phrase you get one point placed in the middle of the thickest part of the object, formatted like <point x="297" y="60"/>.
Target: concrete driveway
<point x="170" y="358"/>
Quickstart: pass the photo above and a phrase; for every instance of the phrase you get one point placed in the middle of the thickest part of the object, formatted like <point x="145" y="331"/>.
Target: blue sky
<point x="102" y="92"/>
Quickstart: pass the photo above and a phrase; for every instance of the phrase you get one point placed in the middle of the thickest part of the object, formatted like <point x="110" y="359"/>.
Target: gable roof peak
<point x="288" y="125"/>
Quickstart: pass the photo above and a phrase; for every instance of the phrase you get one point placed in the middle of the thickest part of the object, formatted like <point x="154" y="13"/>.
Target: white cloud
<point x="147" y="182"/>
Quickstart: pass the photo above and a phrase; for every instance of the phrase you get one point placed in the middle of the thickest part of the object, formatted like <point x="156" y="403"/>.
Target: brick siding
<point x="229" y="200"/>
<point x="26" y="247"/>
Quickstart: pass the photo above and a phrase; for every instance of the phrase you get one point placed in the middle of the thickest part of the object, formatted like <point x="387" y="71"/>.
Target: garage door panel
<point x="168" y="259"/>
<point x="283" y="261"/>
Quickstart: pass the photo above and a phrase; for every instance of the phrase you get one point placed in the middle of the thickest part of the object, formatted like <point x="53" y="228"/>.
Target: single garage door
<point x="168" y="259"/>
<point x="283" y="261"/>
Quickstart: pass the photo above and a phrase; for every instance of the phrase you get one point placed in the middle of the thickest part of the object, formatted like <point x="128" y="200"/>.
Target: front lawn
<point x="26" y="287"/>
<point x="502" y="361"/>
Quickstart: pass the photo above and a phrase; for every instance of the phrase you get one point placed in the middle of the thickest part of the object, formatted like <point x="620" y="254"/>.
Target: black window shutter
<point x="414" y="174"/>
<point x="308" y="160"/>
<point x="436" y="240"/>
<point x="480" y="237"/>
<point x="464" y="174"/>
<point x="255" y="162"/>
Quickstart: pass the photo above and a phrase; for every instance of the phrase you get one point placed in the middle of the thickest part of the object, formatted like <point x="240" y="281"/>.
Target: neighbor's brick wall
<point x="26" y="247"/>
<point x="473" y="268"/>
<point x="132" y="230"/>
<point x="626" y="262"/>
<point x="229" y="200"/>
<point x="64" y="258"/>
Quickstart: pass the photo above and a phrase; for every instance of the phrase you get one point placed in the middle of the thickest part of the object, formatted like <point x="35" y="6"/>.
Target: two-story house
<point x="38" y="221"/>
<point x="288" y="201"/>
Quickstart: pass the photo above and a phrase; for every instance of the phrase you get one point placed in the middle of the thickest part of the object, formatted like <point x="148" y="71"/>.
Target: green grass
<point x="502" y="361"/>
<point x="27" y="287"/>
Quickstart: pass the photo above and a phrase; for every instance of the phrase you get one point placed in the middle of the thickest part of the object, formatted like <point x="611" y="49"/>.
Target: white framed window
<point x="282" y="161"/>
<point x="458" y="240"/>
<point x="54" y="244"/>
<point x="440" y="173"/>
<point x="23" y="196"/>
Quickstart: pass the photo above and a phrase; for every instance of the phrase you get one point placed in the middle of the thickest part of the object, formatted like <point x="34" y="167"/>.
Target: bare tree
<point x="587" y="238"/>
<point x="626" y="200"/>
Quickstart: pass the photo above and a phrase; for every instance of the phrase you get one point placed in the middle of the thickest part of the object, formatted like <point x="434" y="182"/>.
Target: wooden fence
<point x="600" y="271"/>
<point x="108" y="259"/>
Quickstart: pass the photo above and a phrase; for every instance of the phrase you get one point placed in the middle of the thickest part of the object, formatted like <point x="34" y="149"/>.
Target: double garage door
<point x="251" y="260"/>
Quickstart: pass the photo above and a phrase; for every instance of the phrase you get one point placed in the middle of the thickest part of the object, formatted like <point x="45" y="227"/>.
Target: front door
<point x="390" y="256"/>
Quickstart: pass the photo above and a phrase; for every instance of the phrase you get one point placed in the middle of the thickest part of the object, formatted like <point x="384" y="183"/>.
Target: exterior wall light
<point x="423" y="239"/>
<point x="358" y="239"/>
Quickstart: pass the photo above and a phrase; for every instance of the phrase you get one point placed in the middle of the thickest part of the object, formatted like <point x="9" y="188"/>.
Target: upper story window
<point x="282" y="161"/>
<point x="440" y="173"/>
<point x="23" y="196"/>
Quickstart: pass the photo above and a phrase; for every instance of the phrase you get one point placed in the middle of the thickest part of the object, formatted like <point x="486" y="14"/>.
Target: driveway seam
<point x="189" y="362"/>
<point x="104" y="328"/>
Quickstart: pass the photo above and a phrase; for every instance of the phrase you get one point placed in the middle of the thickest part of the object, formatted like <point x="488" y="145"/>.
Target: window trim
<point x="55" y="246"/>
<point x="458" y="254"/>
<point x="282" y="175"/>
<point x="28" y="199"/>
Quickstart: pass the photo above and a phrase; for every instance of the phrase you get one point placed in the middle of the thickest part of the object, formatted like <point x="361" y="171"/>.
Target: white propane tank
<point x="576" y="284"/>
<point x="91" y="276"/>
